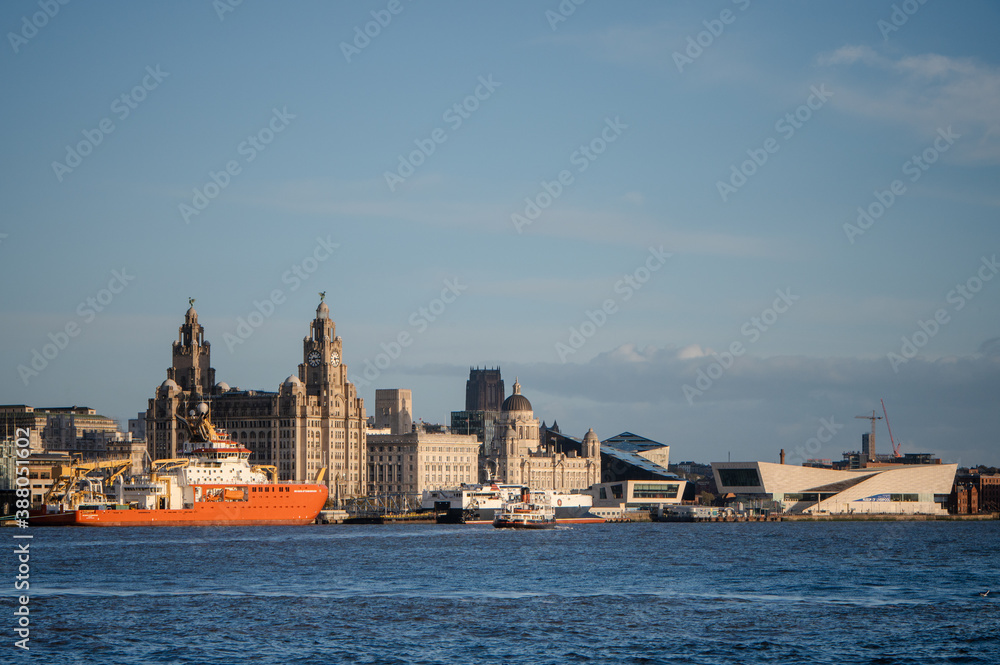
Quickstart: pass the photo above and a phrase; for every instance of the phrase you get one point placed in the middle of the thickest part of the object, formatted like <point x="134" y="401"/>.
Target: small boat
<point x="525" y="514"/>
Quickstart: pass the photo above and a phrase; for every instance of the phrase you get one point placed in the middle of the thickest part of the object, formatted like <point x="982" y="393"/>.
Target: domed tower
<point x="192" y="356"/>
<point x="517" y="401"/>
<point x="515" y="438"/>
<point x="516" y="412"/>
<point x="591" y="445"/>
<point x="329" y="414"/>
<point x="189" y="377"/>
<point x="322" y="367"/>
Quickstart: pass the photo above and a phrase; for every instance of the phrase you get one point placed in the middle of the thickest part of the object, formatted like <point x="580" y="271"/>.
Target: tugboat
<point x="525" y="514"/>
<point x="214" y="484"/>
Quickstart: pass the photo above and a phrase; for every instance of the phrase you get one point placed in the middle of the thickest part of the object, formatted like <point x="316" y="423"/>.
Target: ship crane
<point x="67" y="477"/>
<point x="871" y="440"/>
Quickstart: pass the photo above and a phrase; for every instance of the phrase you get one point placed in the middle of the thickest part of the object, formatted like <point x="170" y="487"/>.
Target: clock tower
<point x="322" y="370"/>
<point x="329" y="423"/>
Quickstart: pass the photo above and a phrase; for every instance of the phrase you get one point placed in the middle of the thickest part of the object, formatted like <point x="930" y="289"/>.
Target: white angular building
<point x="904" y="489"/>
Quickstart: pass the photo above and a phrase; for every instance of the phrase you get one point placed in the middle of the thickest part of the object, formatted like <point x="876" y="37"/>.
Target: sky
<point x="728" y="226"/>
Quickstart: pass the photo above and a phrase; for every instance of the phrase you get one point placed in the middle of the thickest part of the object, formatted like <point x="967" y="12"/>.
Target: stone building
<point x="484" y="390"/>
<point x="964" y="499"/>
<point x="421" y="460"/>
<point x="74" y="429"/>
<point x="314" y="420"/>
<point x="394" y="410"/>
<point x="483" y="396"/>
<point x="518" y="454"/>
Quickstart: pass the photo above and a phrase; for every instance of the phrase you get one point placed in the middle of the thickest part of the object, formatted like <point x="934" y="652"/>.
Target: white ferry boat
<point x="479" y="504"/>
<point x="527" y="512"/>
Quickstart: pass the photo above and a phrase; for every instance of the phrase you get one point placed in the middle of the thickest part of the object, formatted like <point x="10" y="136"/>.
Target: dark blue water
<point x="633" y="593"/>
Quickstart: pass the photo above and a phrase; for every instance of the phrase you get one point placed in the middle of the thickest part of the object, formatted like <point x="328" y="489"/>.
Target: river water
<point x="850" y="592"/>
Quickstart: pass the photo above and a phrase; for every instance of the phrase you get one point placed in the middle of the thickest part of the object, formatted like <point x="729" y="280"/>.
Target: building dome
<point x="292" y="381"/>
<point x="222" y="387"/>
<point x="323" y="311"/>
<point x="590" y="436"/>
<point x="170" y="386"/>
<point x="517" y="401"/>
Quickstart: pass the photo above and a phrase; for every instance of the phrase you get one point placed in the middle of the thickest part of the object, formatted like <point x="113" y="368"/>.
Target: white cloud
<point x="927" y="92"/>
<point x="691" y="351"/>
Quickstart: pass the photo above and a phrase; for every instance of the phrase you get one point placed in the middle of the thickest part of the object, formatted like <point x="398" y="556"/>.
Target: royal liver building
<point x="314" y="420"/>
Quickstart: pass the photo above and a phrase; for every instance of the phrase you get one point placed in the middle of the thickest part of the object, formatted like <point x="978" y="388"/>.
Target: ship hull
<point x="293" y="505"/>
<point x="564" y="515"/>
<point x="516" y="524"/>
<point x="479" y="504"/>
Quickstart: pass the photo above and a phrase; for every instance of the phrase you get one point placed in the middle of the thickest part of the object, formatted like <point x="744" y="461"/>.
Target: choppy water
<point x="632" y="593"/>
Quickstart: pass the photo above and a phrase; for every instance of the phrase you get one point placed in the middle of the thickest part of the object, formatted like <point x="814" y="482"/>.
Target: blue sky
<point x="713" y="157"/>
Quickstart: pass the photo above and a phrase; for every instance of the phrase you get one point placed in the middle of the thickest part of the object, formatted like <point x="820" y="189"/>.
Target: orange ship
<point x="213" y="485"/>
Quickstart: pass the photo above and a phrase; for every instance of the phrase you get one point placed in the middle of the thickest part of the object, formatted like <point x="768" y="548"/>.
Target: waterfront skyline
<point x="603" y="203"/>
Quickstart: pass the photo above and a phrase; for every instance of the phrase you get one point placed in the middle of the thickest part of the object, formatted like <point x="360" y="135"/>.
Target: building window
<point x="739" y="477"/>
<point x="655" y="491"/>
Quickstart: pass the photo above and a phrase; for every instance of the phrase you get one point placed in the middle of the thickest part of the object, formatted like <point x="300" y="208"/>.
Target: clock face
<point x="335" y="358"/>
<point x="314" y="358"/>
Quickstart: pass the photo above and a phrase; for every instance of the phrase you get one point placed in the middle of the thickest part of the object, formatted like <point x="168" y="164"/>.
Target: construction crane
<point x="871" y="439"/>
<point x="895" y="446"/>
